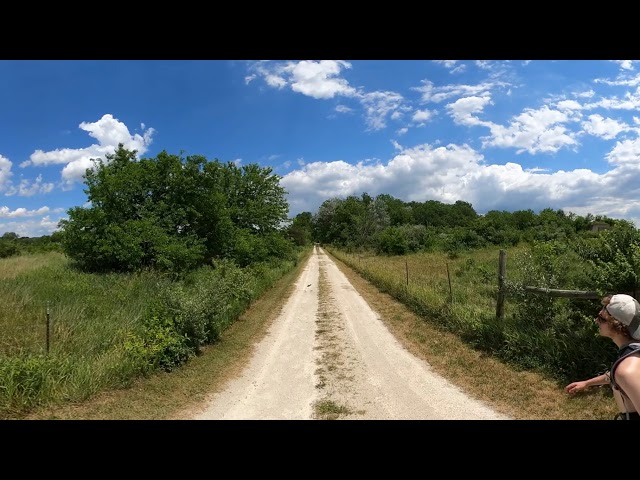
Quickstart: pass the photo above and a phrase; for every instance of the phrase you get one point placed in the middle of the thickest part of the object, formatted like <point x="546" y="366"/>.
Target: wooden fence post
<point x="406" y="266"/>
<point x="48" y="327"/>
<point x="502" y="268"/>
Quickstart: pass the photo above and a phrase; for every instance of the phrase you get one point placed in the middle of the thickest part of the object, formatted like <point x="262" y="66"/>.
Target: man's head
<point x="626" y="310"/>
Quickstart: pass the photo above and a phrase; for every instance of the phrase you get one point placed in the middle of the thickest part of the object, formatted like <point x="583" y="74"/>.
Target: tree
<point x="301" y="229"/>
<point x="172" y="213"/>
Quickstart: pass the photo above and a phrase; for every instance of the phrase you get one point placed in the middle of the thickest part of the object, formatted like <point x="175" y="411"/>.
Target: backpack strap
<point x="633" y="349"/>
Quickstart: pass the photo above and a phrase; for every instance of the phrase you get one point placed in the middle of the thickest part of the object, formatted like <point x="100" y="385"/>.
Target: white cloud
<point x="533" y="131"/>
<point x="606" y="128"/>
<point x="108" y="131"/>
<point x="316" y="79"/>
<point x="31" y="228"/>
<point x="5" y="173"/>
<point x="321" y="80"/>
<point x="625" y="153"/>
<point x="422" y="116"/>
<point x="624" y="64"/>
<point x="28" y="188"/>
<point x="430" y="93"/>
<point x="463" y="110"/>
<point x="447" y="63"/>
<point x="483" y="64"/>
<point x="378" y="105"/>
<point x="6" y="212"/>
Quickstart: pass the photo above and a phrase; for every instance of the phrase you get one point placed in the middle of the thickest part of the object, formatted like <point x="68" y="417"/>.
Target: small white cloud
<point x="421" y="116"/>
<point x="624" y="64"/>
<point x="446" y="63"/>
<point x="6" y="212"/>
<point x="606" y="128"/>
<point x="5" y="173"/>
<point x="28" y="188"/>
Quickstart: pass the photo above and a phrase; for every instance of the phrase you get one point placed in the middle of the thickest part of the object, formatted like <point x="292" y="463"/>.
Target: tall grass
<point x="107" y="329"/>
<point x="458" y="293"/>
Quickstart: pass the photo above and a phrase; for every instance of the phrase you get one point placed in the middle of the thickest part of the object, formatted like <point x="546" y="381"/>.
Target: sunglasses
<point x="600" y="318"/>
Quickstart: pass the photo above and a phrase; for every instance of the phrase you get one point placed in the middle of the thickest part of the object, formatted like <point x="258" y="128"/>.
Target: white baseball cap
<point x="626" y="310"/>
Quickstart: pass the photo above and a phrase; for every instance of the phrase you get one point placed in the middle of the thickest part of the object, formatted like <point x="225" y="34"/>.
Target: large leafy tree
<point x="172" y="213"/>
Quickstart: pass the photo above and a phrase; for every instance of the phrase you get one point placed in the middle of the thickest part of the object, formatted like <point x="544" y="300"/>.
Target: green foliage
<point x="108" y="329"/>
<point x="12" y="244"/>
<point x="174" y="214"/>
<point x="190" y="314"/>
<point x="614" y="256"/>
<point x="8" y="248"/>
<point x="300" y="231"/>
<point x="552" y="335"/>
<point x="392" y="241"/>
<point x="28" y="380"/>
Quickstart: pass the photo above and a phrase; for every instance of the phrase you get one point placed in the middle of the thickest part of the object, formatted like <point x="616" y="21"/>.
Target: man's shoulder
<point x="629" y="365"/>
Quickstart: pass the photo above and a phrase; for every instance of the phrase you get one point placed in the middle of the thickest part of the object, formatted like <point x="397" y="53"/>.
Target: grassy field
<point x="66" y="335"/>
<point x="518" y="393"/>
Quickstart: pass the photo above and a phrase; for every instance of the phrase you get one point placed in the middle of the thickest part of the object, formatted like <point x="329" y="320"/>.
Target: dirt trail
<point x="329" y="356"/>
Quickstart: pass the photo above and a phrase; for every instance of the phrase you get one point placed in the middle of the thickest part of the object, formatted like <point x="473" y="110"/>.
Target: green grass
<point x="68" y="335"/>
<point x="329" y="410"/>
<point x="459" y="294"/>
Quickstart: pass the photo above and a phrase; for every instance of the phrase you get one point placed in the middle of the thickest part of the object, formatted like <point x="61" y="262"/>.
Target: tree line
<point x="389" y="225"/>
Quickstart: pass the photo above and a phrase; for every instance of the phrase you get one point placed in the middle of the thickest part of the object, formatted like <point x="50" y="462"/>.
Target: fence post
<point x="449" y="279"/>
<point x="406" y="267"/>
<point x="502" y="268"/>
<point x="48" y="327"/>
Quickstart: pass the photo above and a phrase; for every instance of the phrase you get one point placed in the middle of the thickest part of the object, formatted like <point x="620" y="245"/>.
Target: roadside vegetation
<point x="171" y="252"/>
<point x="168" y="253"/>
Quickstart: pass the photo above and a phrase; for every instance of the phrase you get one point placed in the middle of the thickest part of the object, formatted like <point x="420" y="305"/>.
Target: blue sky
<point x="501" y="135"/>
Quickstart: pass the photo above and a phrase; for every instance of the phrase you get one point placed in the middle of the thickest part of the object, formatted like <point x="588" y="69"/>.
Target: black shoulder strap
<point x="633" y="348"/>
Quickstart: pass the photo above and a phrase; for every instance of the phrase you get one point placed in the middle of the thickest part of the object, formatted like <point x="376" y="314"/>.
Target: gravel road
<point x="328" y="355"/>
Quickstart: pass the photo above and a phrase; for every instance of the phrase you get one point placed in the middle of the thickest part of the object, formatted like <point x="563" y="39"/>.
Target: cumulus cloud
<point x="6" y="212"/>
<point x="108" y="131"/>
<point x="315" y="79"/>
<point x="533" y="131"/>
<point x="464" y="111"/>
<point x="321" y="80"/>
<point x="32" y="228"/>
<point x="606" y="128"/>
<point x="421" y="116"/>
